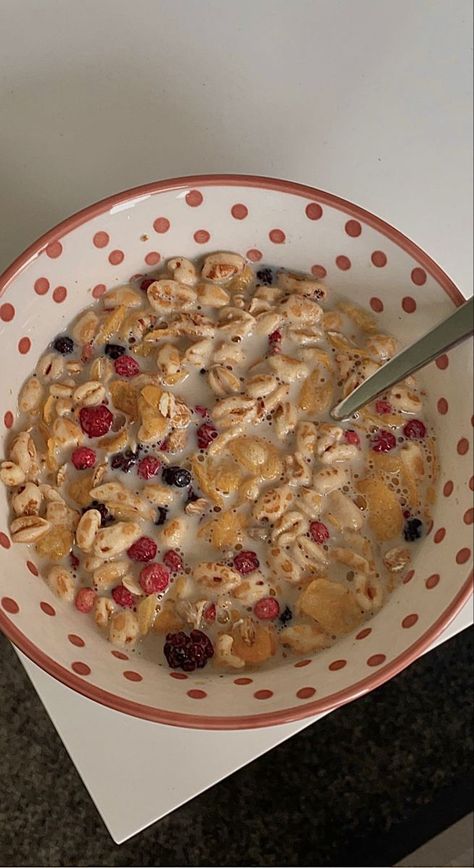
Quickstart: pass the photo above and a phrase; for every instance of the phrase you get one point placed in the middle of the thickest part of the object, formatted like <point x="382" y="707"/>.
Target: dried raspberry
<point x="383" y="441"/>
<point x="415" y="429"/>
<point x="146" y="283"/>
<point x="148" y="467"/>
<point x="274" y="341"/>
<point x="125" y="366"/>
<point x="210" y="613"/>
<point x="123" y="597"/>
<point x="95" y="421"/>
<point x="246" y="562"/>
<point x="188" y="652"/>
<point x="382" y="407"/>
<point x="154" y="579"/>
<point x="318" y="531"/>
<point x="201" y="411"/>
<point x="206" y="433"/>
<point x="352" y="437"/>
<point x="173" y="560"/>
<point x="85" y="599"/>
<point x="144" y="549"/>
<point x="83" y="457"/>
<point x="267" y="608"/>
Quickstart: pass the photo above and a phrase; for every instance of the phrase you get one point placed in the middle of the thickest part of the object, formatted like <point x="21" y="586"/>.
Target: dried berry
<point x="206" y="433"/>
<point x="267" y="609"/>
<point x="415" y="429"/>
<point x="83" y="457"/>
<point x="382" y="407"/>
<point x="74" y="561"/>
<point x="191" y="496"/>
<point x="161" y="515"/>
<point x="124" y="461"/>
<point x="64" y="345"/>
<point x="144" y="549"/>
<point x="114" y="351"/>
<point x="188" y="652"/>
<point x="148" y="467"/>
<point x="318" y="531"/>
<point x="178" y="476"/>
<point x="123" y="597"/>
<point x="265" y="276"/>
<point x="154" y="579"/>
<point x="286" y="615"/>
<point x="95" y="421"/>
<point x="201" y="411"/>
<point x="146" y="282"/>
<point x="246" y="562"/>
<point x="106" y="517"/>
<point x="352" y="437"/>
<point x="173" y="561"/>
<point x="85" y="599"/>
<point x="413" y="529"/>
<point x="210" y="613"/>
<point x="383" y="441"/>
<point x="274" y="341"/>
<point x="126" y="366"/>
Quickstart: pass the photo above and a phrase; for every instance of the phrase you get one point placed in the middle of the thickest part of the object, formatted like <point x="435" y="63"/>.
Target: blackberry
<point x="176" y="476"/>
<point x="106" y="517"/>
<point x="124" y="461"/>
<point x="114" y="351"/>
<point x="286" y="616"/>
<point x="161" y="515"/>
<point x="265" y="276"/>
<point x="64" y="345"/>
<point x="413" y="529"/>
<point x="188" y="652"/>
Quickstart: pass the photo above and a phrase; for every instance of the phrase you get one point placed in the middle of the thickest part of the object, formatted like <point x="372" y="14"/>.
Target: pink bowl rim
<point x="287" y="715"/>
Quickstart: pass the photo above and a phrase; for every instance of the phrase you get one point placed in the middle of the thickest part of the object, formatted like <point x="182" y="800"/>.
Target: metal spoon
<point x="458" y="327"/>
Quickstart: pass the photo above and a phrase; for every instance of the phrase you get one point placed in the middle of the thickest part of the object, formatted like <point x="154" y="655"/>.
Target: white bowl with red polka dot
<point x="283" y="224"/>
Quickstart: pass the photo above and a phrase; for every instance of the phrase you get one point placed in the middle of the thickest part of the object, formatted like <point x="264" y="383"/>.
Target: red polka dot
<point x="8" y="419"/>
<point x="32" y="568"/>
<point x="442" y="362"/>
<point x="408" y="577"/>
<point x="463" y="446"/>
<point x="152" y="258"/>
<point x="98" y="290"/>
<point x="59" y="294"/>
<point x="180" y="676"/>
<point x="418" y="276"/>
<point x="193" y="198"/>
<point x="448" y="488"/>
<point x="379" y="258"/>
<point x="301" y="663"/>
<point x="409" y="621"/>
<point x="463" y="555"/>
<point x="313" y="211"/>
<point x="10" y="606"/>
<point x="471" y="483"/>
<point x="201" y="236"/>
<point x="442" y="406"/>
<point x="54" y="249"/>
<point x="80" y="668"/>
<point x="239" y="211"/>
<point x="161" y="225"/>
<point x="76" y="640"/>
<point x="130" y="675"/>
<point x="4" y="541"/>
<point x="364" y="633"/>
<point x="243" y="680"/>
<point x="254" y="255"/>
<point x="343" y="263"/>
<point x="440" y="535"/>
<point x="116" y="257"/>
<point x="41" y="286"/>
<point x="408" y="304"/>
<point x="376" y="660"/>
<point x="337" y="664"/>
<point x="318" y="271"/>
<point x="277" y="236"/>
<point x="24" y="346"/>
<point x="432" y="581"/>
<point x="468" y="516"/>
<point x="197" y="694"/>
<point x="263" y="694"/>
<point x="119" y="655"/>
<point x="7" y="312"/>
<point x="376" y="304"/>
<point x="47" y="609"/>
<point x="101" y="239"/>
<point x="305" y="692"/>
<point x="353" y="228"/>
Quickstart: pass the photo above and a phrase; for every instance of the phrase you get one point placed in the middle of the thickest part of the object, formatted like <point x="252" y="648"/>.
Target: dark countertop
<point x="364" y="786"/>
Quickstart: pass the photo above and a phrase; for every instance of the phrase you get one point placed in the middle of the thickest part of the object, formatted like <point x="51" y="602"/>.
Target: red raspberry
<point x="415" y="429"/>
<point x="173" y="560"/>
<point x="206" y="433"/>
<point x="146" y="283"/>
<point x="123" y="597"/>
<point x="95" y="421"/>
<point x="144" y="549"/>
<point x="383" y="441"/>
<point x="274" y="340"/>
<point x="318" y="531"/>
<point x="125" y="366"/>
<point x="382" y="407"/>
<point x="148" y="467"/>
<point x="210" y="612"/>
<point x="83" y="457"/>
<point x="246" y="562"/>
<point x="352" y="437"/>
<point x="267" y="608"/>
<point x="85" y="599"/>
<point x="154" y="579"/>
<point x="201" y="411"/>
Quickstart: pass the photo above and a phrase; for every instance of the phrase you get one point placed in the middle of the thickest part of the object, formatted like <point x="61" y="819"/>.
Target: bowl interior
<point x="359" y="256"/>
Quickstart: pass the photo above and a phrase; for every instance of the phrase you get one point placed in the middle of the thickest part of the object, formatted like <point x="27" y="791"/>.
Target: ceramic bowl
<point x="280" y="223"/>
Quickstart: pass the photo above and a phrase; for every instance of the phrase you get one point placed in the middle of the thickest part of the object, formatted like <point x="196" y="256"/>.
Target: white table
<point x="369" y="99"/>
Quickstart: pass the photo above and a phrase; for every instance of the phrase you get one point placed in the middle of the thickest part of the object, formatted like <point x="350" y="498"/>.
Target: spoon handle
<point x="443" y="336"/>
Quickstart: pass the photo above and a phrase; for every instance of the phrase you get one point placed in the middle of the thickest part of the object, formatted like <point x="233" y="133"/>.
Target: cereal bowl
<point x="359" y="256"/>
